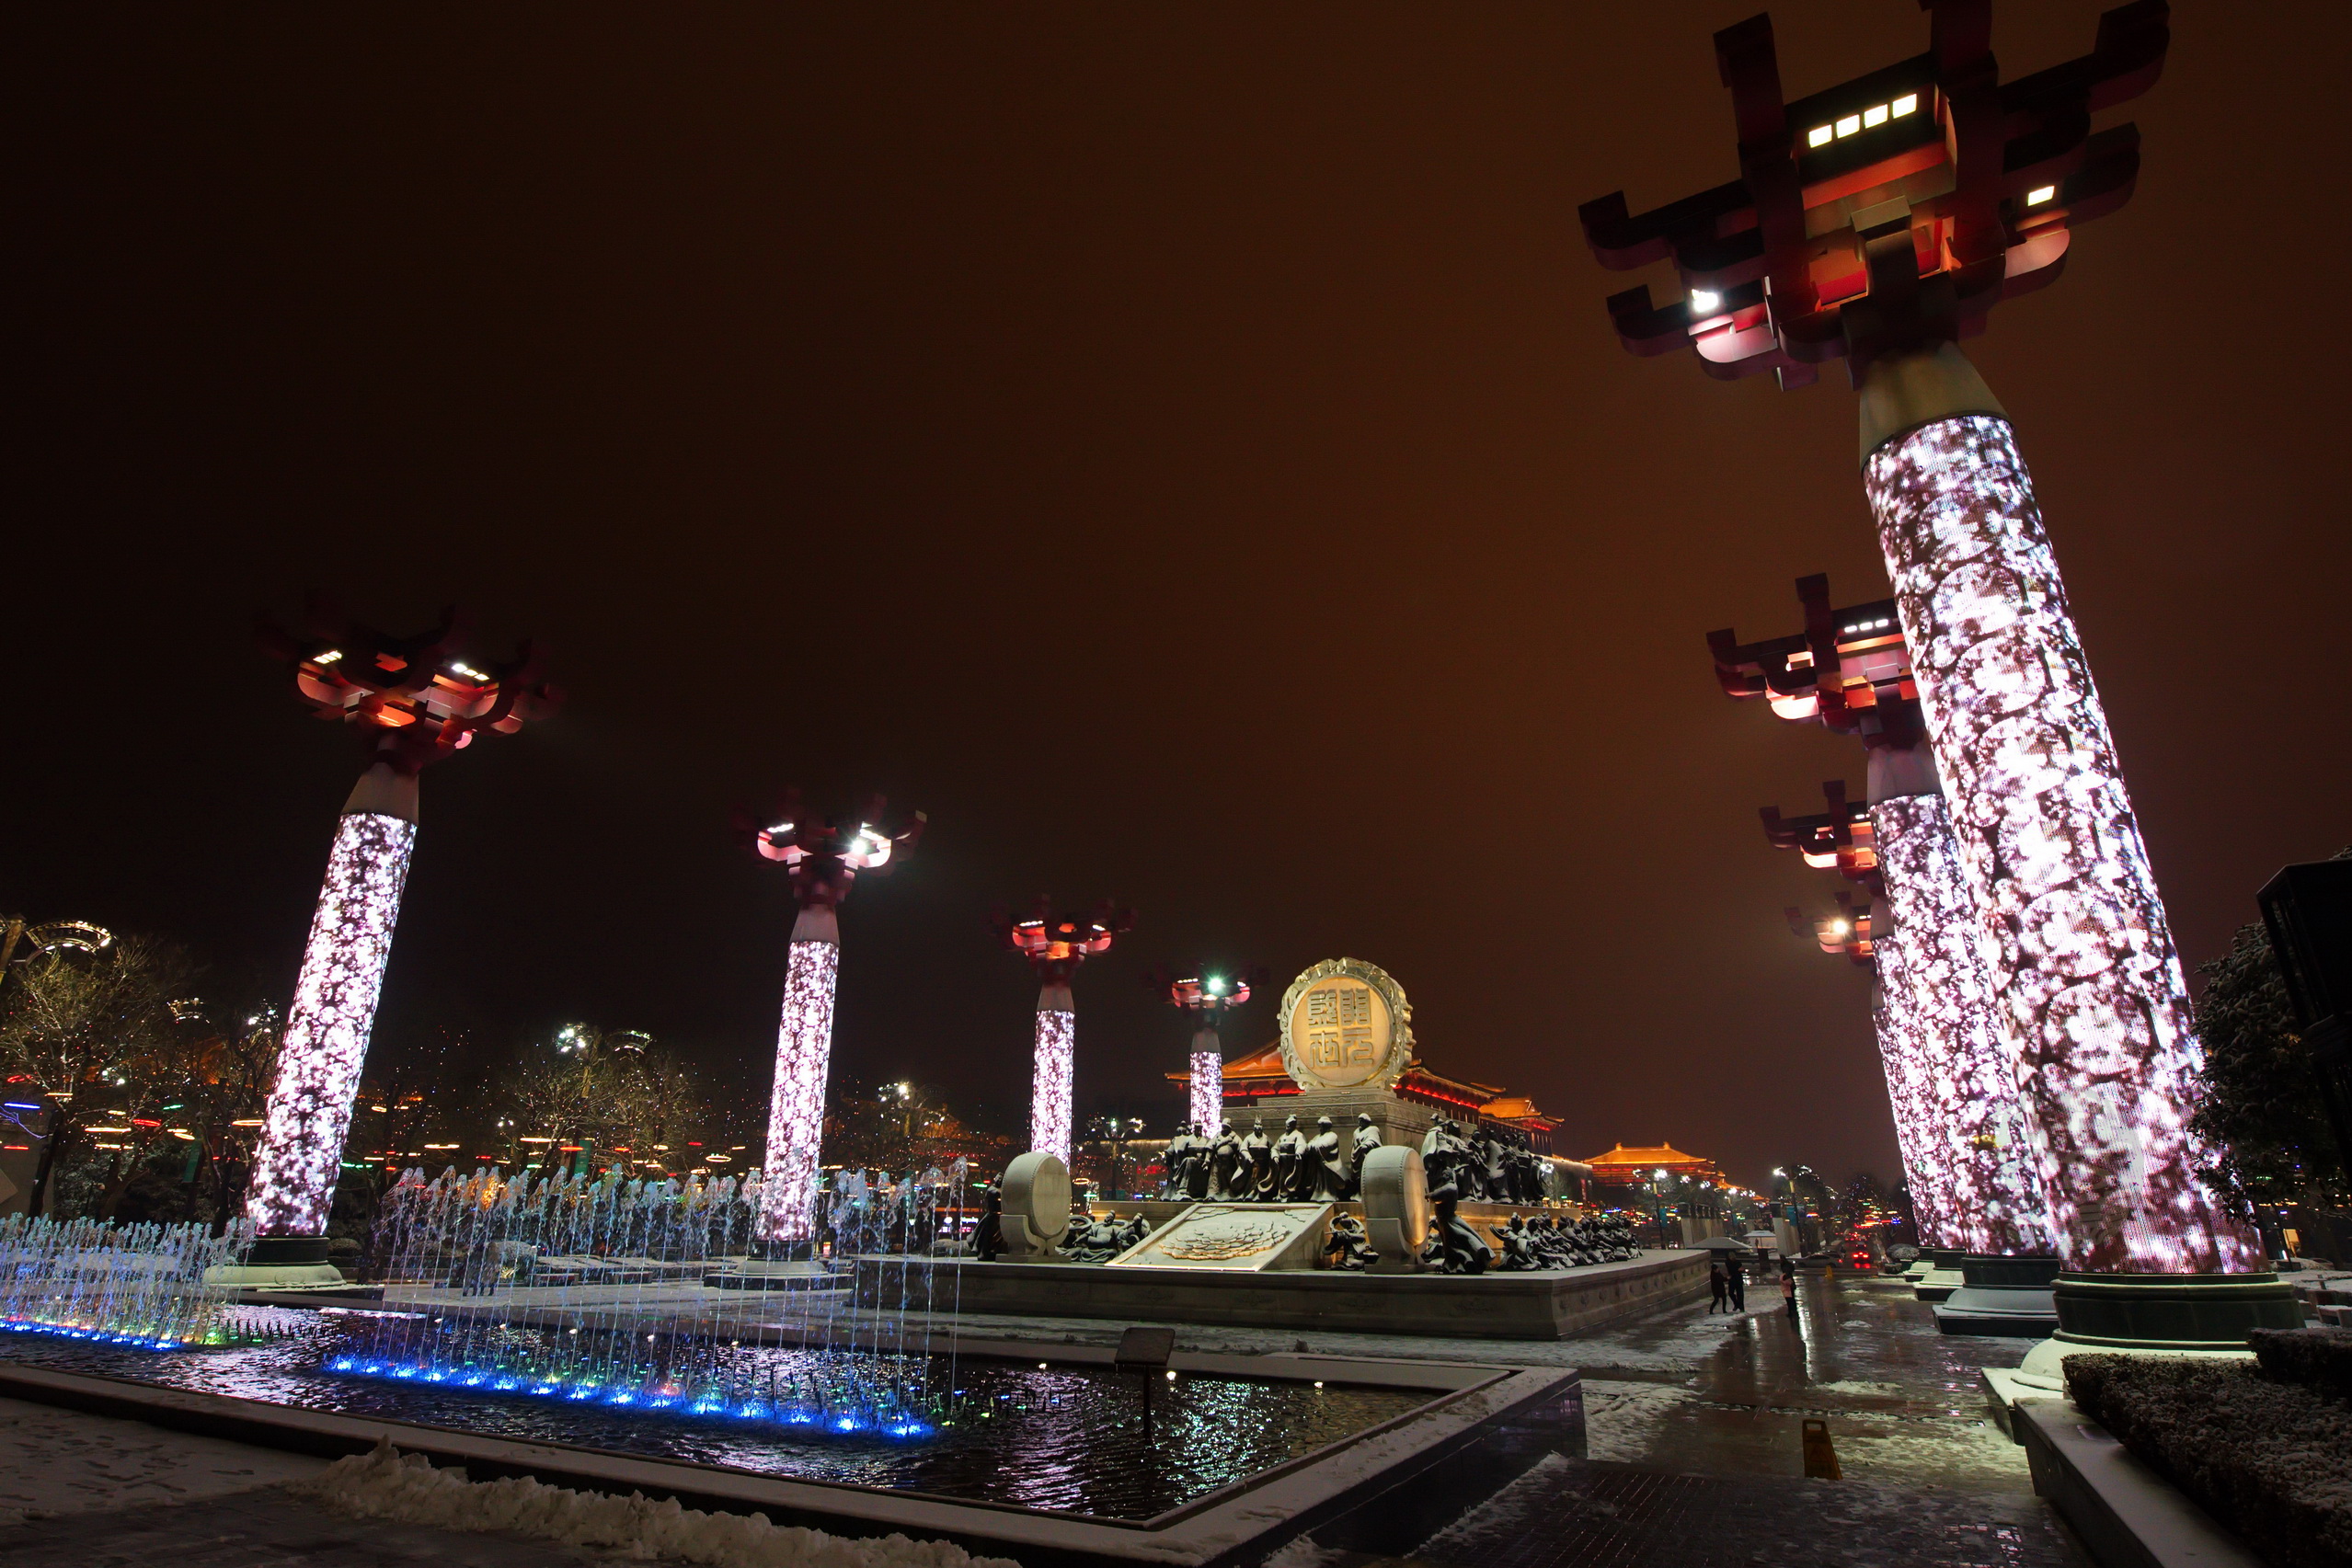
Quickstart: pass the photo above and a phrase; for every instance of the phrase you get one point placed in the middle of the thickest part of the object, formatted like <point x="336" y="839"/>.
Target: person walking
<point x="1788" y="1287"/>
<point x="1718" y="1288"/>
<point x="1738" y="1283"/>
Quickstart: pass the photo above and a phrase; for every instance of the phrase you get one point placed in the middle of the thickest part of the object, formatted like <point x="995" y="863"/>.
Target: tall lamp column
<point x="1055" y="948"/>
<point x="1208" y="998"/>
<point x="1975" y="1163"/>
<point x="1776" y="271"/>
<point x="418" y="703"/>
<point x="823" y="855"/>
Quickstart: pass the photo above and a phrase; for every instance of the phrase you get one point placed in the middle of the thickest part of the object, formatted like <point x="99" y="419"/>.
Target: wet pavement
<point x="1694" y="1457"/>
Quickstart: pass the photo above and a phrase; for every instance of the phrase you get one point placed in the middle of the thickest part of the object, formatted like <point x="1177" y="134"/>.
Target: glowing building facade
<point x="1881" y="221"/>
<point x="1055" y="948"/>
<point x="417" y="704"/>
<point x="823" y="856"/>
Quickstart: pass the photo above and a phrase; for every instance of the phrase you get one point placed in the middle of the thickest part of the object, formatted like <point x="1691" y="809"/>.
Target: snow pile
<point x="386" y="1484"/>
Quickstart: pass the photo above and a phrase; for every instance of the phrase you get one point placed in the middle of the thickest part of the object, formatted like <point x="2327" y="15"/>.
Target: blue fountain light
<point x="66" y="1331"/>
<point x="898" y="1425"/>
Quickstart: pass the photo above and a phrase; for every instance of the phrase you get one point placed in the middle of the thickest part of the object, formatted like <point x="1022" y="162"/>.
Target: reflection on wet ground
<point x="1079" y="1431"/>
<point x="1695" y="1462"/>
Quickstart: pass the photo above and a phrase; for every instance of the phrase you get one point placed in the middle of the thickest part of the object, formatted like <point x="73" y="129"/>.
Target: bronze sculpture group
<point x="1251" y="1168"/>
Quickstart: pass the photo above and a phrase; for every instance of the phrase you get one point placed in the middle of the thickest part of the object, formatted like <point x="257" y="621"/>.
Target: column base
<point x="2171" y="1311"/>
<point x="287" y="1250"/>
<point x="2003" y="1295"/>
<point x="1938" y="1283"/>
<point x="279" y="1262"/>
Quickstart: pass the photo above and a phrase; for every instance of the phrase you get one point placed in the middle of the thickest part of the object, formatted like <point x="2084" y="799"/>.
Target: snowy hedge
<point x="2270" y="1459"/>
<point x="2317" y="1359"/>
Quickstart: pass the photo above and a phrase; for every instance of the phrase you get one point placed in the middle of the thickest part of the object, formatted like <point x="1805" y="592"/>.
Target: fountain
<point x="556" y="1324"/>
<point x="140" y="1285"/>
<point x="587" y="1288"/>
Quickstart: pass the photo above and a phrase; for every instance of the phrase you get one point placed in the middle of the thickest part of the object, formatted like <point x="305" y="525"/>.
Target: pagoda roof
<point x="1653" y="1155"/>
<point x="1266" y="1063"/>
<point x="1518" y="1108"/>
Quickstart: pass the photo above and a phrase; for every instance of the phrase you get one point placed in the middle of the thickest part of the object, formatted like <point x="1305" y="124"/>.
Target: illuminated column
<point x="1208" y="1098"/>
<point x="1208" y="998"/>
<point x="1049" y="1072"/>
<point x="1902" y="1056"/>
<point x="823" y="856"/>
<point x="1907" y="1045"/>
<point x="300" y="1152"/>
<point x="2077" y="944"/>
<point x="804" y="1054"/>
<point x="418" y="705"/>
<point x="1055" y="948"/>
<point x="1965" y="1096"/>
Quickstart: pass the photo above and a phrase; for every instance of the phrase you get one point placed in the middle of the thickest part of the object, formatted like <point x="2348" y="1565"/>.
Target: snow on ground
<point x="1622" y="1421"/>
<point x="62" y="1461"/>
<point x="385" y="1485"/>
<point x="1512" y="1505"/>
<point x="1963" y="1455"/>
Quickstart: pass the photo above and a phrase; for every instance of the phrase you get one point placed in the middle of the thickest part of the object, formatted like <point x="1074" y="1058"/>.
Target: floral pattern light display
<point x="1050" y="1082"/>
<point x="1961" y="1096"/>
<point x="2077" y="945"/>
<point x="804" y="1054"/>
<point x="301" y="1149"/>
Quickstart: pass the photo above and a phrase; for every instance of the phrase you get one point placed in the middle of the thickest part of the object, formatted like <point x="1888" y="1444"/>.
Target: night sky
<point x="1181" y="449"/>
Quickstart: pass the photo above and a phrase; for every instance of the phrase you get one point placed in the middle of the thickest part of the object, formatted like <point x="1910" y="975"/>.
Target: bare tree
<point x="95" y="1033"/>
<point x="598" y="1093"/>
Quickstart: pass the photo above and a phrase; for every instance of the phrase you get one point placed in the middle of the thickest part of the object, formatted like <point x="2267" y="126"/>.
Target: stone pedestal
<point x="2004" y="1295"/>
<point x="280" y="1262"/>
<point x="1399" y="1120"/>
<point x="1940" y="1281"/>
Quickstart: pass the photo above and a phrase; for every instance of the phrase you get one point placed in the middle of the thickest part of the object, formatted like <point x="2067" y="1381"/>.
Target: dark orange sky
<point x="1180" y="448"/>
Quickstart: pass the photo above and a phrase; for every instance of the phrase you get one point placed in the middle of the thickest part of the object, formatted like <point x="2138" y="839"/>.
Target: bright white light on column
<point x="1208" y="1098"/>
<point x="1964" y="1093"/>
<point x="1705" y="302"/>
<point x="1050" y="1084"/>
<point x="804" y="1054"/>
<point x="300" y="1152"/>
<point x="2079" y="949"/>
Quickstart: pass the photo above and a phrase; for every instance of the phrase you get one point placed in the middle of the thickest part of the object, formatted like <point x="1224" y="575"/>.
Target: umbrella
<point x="1722" y="1244"/>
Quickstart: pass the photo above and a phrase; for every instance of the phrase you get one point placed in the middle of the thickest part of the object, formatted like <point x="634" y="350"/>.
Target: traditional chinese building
<point x="1623" y="1167"/>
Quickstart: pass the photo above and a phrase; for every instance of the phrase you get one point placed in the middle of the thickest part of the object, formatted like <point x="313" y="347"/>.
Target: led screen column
<point x="1963" y="1098"/>
<point x="1903" y="1053"/>
<point x="300" y="1152"/>
<point x="823" y="853"/>
<point x="1050" y="1073"/>
<point x="2077" y="944"/>
<point x="417" y="704"/>
<point x="1208" y="1097"/>
<point x="1056" y="946"/>
<point x="804" y="1054"/>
